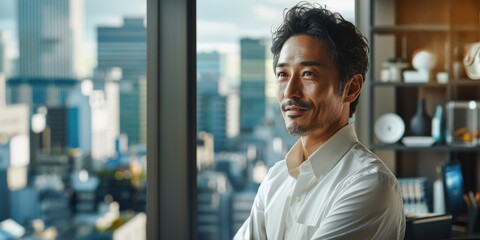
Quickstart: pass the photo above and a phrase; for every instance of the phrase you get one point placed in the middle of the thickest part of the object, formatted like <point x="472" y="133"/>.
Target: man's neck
<point x="312" y="141"/>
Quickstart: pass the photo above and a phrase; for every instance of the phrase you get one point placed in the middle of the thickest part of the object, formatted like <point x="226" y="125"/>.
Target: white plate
<point x="418" y="141"/>
<point x="389" y="128"/>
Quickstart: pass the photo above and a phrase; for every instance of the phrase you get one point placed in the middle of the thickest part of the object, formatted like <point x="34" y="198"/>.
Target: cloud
<point x="266" y="13"/>
<point x="8" y="9"/>
<point x="216" y="31"/>
<point x="223" y="47"/>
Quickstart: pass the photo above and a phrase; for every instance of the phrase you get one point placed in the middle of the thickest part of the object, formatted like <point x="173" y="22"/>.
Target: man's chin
<point x="296" y="131"/>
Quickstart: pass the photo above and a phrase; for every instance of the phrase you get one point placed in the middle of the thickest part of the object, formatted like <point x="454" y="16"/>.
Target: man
<point x="329" y="186"/>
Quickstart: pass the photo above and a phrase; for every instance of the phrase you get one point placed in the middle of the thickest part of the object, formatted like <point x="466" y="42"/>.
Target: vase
<point x="421" y="123"/>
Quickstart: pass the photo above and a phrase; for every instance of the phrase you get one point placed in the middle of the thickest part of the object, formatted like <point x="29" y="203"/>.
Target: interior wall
<point x="384" y="48"/>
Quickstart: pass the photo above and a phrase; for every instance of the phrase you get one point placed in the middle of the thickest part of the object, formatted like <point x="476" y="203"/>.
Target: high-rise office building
<point x="108" y="83"/>
<point x="4" y="66"/>
<point x="142" y="93"/>
<point x="39" y="91"/>
<point x="74" y="118"/>
<point x="3" y="90"/>
<point x="212" y="113"/>
<point x="50" y="34"/>
<point x="4" y="58"/>
<point x="252" y="83"/>
<point x="14" y="160"/>
<point x="208" y="66"/>
<point x="211" y="105"/>
<point x="124" y="47"/>
<point x="89" y="123"/>
<point x="57" y="124"/>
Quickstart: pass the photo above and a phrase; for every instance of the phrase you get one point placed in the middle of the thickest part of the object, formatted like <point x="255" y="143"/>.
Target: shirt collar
<point x="326" y="156"/>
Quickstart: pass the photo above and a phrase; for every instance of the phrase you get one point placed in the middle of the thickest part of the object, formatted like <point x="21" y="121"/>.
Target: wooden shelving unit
<point x="401" y="27"/>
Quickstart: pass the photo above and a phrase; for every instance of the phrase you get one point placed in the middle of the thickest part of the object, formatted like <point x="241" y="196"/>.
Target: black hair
<point x="347" y="47"/>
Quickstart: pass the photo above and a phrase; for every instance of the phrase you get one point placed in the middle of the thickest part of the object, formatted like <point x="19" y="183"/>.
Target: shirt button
<point x="299" y="199"/>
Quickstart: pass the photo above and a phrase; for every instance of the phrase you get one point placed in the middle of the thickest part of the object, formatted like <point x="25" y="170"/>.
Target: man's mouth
<point x="294" y="111"/>
<point x="294" y="108"/>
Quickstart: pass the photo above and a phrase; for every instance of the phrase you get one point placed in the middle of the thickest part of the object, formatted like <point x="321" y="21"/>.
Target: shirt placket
<point x="299" y="193"/>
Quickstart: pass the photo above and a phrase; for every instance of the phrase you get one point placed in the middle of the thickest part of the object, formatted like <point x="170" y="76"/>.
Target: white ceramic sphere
<point x="424" y="60"/>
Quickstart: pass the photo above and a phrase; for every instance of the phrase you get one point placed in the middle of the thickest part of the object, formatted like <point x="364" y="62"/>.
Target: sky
<point x="220" y="23"/>
<point x="96" y="13"/>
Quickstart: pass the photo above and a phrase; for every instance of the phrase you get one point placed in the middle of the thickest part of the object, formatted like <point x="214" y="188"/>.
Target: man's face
<point x="307" y="84"/>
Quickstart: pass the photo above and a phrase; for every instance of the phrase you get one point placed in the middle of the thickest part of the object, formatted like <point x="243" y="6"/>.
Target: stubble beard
<point x="296" y="130"/>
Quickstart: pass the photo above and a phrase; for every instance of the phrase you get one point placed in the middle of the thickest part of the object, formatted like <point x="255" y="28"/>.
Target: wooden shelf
<point x="424" y="28"/>
<point x="466" y="82"/>
<point x="459" y="82"/>
<point x="442" y="147"/>
<point x="398" y="29"/>
<point x="378" y="83"/>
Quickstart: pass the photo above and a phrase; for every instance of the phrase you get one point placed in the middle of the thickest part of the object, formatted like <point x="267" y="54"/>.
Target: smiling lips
<point x="294" y="111"/>
<point x="295" y="107"/>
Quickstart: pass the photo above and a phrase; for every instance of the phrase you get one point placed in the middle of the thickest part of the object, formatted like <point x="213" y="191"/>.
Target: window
<point x="240" y="128"/>
<point x="172" y="137"/>
<point x="72" y="137"/>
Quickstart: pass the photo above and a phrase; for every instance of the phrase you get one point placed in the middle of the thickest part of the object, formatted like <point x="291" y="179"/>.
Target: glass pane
<point x="72" y="119"/>
<point x="240" y="129"/>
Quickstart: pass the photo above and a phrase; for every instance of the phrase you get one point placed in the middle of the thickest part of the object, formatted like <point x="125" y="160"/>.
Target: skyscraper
<point x="49" y="37"/>
<point x="38" y="91"/>
<point x="3" y="90"/>
<point x="208" y="66"/>
<point x="212" y="113"/>
<point x="14" y="160"/>
<point x="4" y="66"/>
<point x="211" y="105"/>
<point x="252" y="83"/>
<point x="125" y="47"/>
<point x="4" y="60"/>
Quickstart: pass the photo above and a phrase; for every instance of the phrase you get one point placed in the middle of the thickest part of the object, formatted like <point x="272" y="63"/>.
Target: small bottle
<point x="438" y="196"/>
<point x="438" y="125"/>
<point x="457" y="64"/>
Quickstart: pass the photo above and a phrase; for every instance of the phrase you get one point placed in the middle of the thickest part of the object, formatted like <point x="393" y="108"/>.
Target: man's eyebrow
<point x="311" y="63"/>
<point x="304" y="63"/>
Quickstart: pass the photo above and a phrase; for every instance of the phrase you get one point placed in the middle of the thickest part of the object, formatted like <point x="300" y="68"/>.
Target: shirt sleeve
<point x="368" y="207"/>
<point x="254" y="226"/>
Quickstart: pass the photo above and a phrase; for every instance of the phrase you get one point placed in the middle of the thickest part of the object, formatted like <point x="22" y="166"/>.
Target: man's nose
<point x="294" y="88"/>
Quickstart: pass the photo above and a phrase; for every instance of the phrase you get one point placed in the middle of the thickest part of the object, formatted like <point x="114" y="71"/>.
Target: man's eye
<point x="281" y="74"/>
<point x="307" y="73"/>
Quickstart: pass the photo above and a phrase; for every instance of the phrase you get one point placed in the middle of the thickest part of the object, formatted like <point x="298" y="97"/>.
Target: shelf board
<point x="459" y="82"/>
<point x="403" y="84"/>
<point x="466" y="82"/>
<point x="424" y="28"/>
<point x="441" y="147"/>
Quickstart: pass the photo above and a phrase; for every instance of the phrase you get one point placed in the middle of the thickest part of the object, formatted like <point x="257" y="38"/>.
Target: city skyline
<point x="257" y="21"/>
<point x="81" y="167"/>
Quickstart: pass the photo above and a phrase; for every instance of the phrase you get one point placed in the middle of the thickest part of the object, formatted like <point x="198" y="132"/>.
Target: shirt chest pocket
<point x="312" y="211"/>
<point x="308" y="221"/>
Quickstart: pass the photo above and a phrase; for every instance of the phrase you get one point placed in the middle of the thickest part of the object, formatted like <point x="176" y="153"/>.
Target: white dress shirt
<point x="342" y="191"/>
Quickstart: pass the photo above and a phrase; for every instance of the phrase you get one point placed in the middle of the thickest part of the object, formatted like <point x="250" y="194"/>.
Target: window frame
<point x="171" y="134"/>
<point x="171" y="117"/>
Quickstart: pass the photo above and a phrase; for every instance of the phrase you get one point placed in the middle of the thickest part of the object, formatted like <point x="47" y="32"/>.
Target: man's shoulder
<point x="368" y="164"/>
<point x="277" y="175"/>
<point x="279" y="168"/>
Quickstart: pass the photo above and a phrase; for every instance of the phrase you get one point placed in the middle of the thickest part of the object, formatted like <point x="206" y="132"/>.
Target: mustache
<point x="296" y="102"/>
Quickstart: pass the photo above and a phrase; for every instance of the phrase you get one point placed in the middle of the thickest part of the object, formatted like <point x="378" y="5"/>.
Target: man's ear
<point x="353" y="88"/>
